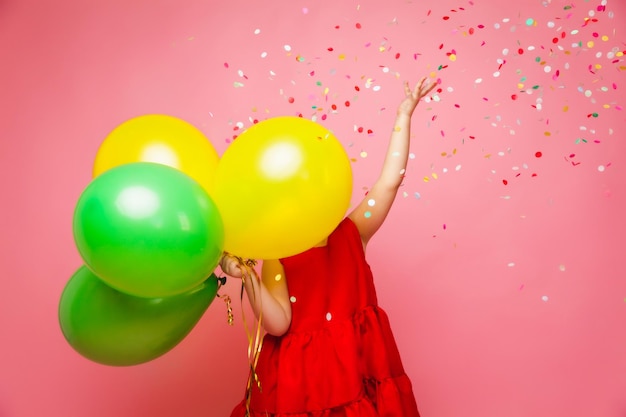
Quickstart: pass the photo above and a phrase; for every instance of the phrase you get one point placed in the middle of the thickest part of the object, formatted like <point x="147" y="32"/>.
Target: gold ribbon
<point x="226" y="298"/>
<point x="255" y="342"/>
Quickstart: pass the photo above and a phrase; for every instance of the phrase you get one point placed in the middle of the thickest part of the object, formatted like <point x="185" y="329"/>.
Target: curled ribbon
<point x="255" y="342"/>
<point x="229" y="309"/>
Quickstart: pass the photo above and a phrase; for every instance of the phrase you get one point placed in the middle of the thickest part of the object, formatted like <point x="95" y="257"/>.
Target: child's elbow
<point x="278" y="326"/>
<point x="277" y="330"/>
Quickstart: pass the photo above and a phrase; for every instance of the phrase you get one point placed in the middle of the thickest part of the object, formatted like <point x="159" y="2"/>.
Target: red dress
<point x="339" y="357"/>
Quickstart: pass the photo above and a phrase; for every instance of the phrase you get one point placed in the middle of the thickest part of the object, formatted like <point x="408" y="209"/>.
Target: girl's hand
<point x="413" y="97"/>
<point x="231" y="265"/>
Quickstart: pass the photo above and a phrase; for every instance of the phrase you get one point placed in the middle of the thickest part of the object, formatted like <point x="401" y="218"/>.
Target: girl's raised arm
<point x="371" y="212"/>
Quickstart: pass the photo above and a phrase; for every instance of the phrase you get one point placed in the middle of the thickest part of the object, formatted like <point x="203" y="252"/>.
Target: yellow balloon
<point x="281" y="187"/>
<point x="162" y="139"/>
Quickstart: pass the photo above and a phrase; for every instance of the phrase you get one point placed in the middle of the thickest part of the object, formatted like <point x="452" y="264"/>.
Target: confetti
<point x="547" y="94"/>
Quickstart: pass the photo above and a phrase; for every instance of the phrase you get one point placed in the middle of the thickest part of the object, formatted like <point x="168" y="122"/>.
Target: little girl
<point x="328" y="349"/>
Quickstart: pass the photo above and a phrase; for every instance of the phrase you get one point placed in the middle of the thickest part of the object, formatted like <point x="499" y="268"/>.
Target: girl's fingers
<point x="427" y="89"/>
<point x="421" y="89"/>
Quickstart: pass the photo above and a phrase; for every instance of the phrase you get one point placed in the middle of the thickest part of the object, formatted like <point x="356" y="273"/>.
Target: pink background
<point x="501" y="264"/>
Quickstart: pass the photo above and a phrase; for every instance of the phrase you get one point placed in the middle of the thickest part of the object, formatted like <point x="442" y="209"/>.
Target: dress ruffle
<point x="347" y="368"/>
<point x="361" y="407"/>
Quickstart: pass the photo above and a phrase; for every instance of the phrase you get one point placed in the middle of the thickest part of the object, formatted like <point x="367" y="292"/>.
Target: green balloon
<point x="117" y="329"/>
<point x="148" y="230"/>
